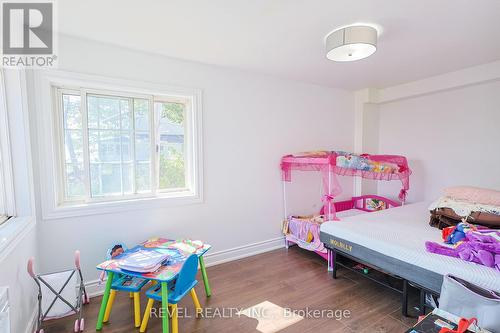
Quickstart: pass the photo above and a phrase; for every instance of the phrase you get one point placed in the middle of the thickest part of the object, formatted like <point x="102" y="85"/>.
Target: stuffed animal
<point x="455" y="234"/>
<point x="479" y="246"/>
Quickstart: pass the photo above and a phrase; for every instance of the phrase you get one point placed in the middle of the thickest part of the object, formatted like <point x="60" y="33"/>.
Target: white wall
<point x="21" y="240"/>
<point x="450" y="138"/>
<point x="249" y="122"/>
<point x="22" y="289"/>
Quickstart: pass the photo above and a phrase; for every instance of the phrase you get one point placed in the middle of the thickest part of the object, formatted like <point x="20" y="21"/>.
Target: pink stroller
<point x="67" y="294"/>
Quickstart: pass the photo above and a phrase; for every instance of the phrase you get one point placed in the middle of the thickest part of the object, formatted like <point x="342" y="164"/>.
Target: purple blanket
<point x="479" y="246"/>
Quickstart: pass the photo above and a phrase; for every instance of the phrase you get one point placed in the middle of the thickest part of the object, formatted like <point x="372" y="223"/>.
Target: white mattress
<point x="401" y="233"/>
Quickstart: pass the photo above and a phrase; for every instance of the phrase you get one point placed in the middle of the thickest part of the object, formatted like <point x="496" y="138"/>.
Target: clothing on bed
<point x="464" y="208"/>
<point x="447" y="211"/>
<point x="304" y="231"/>
<point x="445" y="217"/>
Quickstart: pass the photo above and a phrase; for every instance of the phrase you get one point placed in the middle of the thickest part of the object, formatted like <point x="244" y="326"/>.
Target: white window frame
<point x="7" y="196"/>
<point x="51" y="147"/>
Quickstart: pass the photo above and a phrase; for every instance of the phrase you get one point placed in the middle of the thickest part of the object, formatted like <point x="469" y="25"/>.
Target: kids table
<point x="178" y="251"/>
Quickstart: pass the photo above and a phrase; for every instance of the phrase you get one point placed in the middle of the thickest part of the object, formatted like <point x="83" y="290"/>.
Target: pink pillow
<point x="474" y="194"/>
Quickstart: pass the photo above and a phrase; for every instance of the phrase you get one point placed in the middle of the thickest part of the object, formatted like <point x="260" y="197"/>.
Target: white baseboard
<point x="95" y="288"/>
<point x="248" y="250"/>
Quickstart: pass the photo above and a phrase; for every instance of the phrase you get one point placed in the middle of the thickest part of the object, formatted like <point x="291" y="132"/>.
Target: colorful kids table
<point x="178" y="251"/>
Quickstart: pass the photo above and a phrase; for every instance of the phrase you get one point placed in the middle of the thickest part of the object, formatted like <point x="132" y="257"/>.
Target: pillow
<point x="474" y="194"/>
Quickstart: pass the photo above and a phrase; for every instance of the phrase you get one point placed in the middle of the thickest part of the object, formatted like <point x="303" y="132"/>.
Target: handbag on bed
<point x="467" y="300"/>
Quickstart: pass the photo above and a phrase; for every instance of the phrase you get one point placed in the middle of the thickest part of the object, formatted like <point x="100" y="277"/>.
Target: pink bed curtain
<point x="326" y="163"/>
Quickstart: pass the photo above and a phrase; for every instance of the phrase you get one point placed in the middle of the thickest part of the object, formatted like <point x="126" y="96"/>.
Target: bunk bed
<point x="305" y="230"/>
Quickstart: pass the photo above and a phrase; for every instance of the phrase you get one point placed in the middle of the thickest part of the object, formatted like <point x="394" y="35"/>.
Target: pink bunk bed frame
<point x="330" y="164"/>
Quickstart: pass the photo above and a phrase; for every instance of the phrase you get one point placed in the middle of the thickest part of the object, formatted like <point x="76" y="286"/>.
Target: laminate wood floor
<point x="293" y="278"/>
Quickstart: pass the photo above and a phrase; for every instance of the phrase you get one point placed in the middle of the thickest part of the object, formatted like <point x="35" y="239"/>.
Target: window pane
<point x="171" y="117"/>
<point x="104" y="146"/>
<point x="111" y="178"/>
<point x="141" y="114"/>
<point x="172" y="160"/>
<point x="127" y="155"/>
<point x="126" y="114"/>
<point x="71" y="109"/>
<point x="128" y="178"/>
<point x="143" y="176"/>
<point x="114" y="145"/>
<point x="75" y="185"/>
<point x="95" y="180"/>
<point x="172" y="168"/>
<point x="105" y="179"/>
<point x="73" y="146"/>
<point x="142" y="147"/>
<point x="104" y="112"/>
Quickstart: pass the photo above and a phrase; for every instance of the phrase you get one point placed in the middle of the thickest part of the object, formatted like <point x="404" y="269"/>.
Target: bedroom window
<point x="120" y="146"/>
<point x="7" y="205"/>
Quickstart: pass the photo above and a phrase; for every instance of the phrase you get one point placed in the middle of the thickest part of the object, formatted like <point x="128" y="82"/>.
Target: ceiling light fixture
<point x="351" y="43"/>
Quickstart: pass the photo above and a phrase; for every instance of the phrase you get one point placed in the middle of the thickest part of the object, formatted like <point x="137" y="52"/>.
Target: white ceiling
<point x="284" y="38"/>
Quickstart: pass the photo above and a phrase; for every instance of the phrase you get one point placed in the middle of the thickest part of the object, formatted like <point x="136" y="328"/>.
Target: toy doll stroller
<point x="60" y="294"/>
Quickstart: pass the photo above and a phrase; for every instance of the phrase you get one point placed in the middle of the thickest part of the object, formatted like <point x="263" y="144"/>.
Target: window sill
<point x="109" y="207"/>
<point x="12" y="231"/>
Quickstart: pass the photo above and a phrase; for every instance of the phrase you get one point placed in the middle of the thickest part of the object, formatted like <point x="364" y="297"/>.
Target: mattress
<point x="394" y="240"/>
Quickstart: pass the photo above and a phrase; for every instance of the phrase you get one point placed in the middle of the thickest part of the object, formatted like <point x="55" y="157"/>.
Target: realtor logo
<point x="28" y="34"/>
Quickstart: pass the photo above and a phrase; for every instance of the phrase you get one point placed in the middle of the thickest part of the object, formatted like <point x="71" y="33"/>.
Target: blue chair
<point x="185" y="283"/>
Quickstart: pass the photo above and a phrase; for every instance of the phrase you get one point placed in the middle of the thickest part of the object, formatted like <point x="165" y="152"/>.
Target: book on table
<point x="143" y="261"/>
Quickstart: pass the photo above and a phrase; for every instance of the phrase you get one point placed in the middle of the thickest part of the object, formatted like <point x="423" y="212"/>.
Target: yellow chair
<point x="133" y="286"/>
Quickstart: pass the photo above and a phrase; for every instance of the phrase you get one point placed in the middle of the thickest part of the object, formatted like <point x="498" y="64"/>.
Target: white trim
<point x="454" y="80"/>
<point x="7" y="196"/>
<point x="96" y="288"/>
<point x="361" y="98"/>
<point x="43" y="83"/>
<point x="108" y="207"/>
<point x="13" y="232"/>
<point x="248" y="250"/>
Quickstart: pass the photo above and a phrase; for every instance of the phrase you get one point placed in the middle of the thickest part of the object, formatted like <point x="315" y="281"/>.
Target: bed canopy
<point x="332" y="163"/>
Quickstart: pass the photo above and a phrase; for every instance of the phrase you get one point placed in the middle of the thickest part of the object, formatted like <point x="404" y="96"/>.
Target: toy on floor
<point x="60" y="286"/>
<point x="362" y="268"/>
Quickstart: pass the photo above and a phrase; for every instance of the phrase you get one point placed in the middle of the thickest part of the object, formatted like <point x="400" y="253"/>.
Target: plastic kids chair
<point x="132" y="285"/>
<point x="185" y="283"/>
<point x="60" y="286"/>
